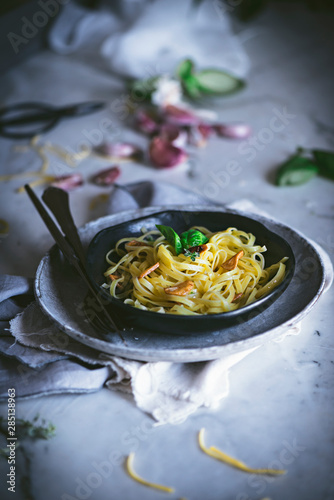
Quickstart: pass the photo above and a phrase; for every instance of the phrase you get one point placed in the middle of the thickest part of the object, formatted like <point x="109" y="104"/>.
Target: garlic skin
<point x="174" y="134"/>
<point x="68" y="182"/>
<point x="233" y="130"/>
<point x="106" y="177"/>
<point x="199" y="134"/>
<point x="163" y="154"/>
<point x="146" y="123"/>
<point x="118" y="150"/>
<point x="177" y="115"/>
<point x="168" y="91"/>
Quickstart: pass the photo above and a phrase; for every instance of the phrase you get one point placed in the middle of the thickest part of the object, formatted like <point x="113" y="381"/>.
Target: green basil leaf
<point x="193" y="238"/>
<point x="171" y="236"/>
<point x="185" y="69"/>
<point x="189" y="83"/>
<point x="216" y="82"/>
<point x="325" y="162"/>
<point x="142" y="89"/>
<point x="190" y="87"/>
<point x="297" y="170"/>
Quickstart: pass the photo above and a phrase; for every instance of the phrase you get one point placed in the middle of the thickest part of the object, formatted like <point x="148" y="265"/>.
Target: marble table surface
<point x="279" y="411"/>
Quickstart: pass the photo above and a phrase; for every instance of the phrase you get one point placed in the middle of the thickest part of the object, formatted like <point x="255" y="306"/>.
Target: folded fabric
<point x="168" y="391"/>
<point x="145" y="38"/>
<point x="15" y="292"/>
<point x="45" y="361"/>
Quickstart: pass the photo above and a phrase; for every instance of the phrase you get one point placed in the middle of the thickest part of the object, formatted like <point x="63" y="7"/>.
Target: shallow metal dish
<point x="61" y="295"/>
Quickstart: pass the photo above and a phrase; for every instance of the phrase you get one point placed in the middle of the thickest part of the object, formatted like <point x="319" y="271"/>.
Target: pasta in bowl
<point x="183" y="271"/>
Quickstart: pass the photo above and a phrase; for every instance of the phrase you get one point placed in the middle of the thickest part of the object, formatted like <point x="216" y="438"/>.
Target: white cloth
<point x="145" y="38"/>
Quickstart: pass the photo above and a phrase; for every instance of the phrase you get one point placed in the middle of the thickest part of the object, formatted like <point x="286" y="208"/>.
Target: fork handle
<point x="57" y="201"/>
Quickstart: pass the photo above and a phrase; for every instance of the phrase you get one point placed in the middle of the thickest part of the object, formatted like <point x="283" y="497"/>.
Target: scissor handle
<point x="35" y="112"/>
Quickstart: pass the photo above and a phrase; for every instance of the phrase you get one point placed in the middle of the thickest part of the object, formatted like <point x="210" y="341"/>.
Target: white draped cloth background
<point x="144" y="38"/>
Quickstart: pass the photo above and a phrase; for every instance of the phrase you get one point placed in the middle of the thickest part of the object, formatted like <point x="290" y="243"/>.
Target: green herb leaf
<point x="297" y="170"/>
<point x="192" y="255"/>
<point x="193" y="238"/>
<point x="189" y="83"/>
<point x="191" y="88"/>
<point x="185" y="69"/>
<point x="143" y="89"/>
<point x="171" y="236"/>
<point x="216" y="82"/>
<point x="325" y="162"/>
<point x="29" y="429"/>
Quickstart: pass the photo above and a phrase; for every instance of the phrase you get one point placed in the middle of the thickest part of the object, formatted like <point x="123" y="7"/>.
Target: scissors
<point x="27" y="119"/>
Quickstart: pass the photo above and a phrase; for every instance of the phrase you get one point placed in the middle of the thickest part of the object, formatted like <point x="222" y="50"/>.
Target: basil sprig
<point x="325" y="162"/>
<point x="304" y="165"/>
<point x="188" y="239"/>
<point x="171" y="236"/>
<point x="195" y="84"/>
<point x="193" y="238"/>
<point x="141" y="90"/>
<point x="208" y="82"/>
<point x="297" y="170"/>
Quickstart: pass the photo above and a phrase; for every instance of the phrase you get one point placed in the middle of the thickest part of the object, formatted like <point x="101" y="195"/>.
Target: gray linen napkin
<point x="15" y="291"/>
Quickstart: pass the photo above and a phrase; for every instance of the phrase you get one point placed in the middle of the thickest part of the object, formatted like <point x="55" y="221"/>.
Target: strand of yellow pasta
<point x="218" y="454"/>
<point x="42" y="180"/>
<point x="4" y="226"/>
<point x="9" y="177"/>
<point x="134" y="475"/>
<point x="276" y="280"/>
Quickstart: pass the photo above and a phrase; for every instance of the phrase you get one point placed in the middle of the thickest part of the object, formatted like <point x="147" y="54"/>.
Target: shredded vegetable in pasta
<point x="164" y="274"/>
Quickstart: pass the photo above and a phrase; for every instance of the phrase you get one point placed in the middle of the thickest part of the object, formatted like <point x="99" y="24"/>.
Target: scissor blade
<point x="83" y="108"/>
<point x="28" y="117"/>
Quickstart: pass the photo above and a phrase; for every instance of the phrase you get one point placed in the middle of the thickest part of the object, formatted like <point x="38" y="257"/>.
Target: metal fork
<point x="67" y="248"/>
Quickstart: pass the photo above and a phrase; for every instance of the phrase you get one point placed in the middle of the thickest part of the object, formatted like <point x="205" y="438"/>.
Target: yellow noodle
<point x="215" y="289"/>
<point x="220" y="455"/>
<point x="4" y="227"/>
<point x="136" y="477"/>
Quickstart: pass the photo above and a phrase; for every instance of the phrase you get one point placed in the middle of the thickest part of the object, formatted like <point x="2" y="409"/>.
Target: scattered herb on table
<point x="195" y="84"/>
<point x="171" y="122"/>
<point x="26" y="431"/>
<point x="4" y="228"/>
<point x="208" y="82"/>
<point x="29" y="429"/>
<point x="305" y="164"/>
<point x="325" y="162"/>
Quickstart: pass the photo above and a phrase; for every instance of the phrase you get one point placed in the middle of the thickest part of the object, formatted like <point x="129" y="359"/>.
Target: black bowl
<point x="129" y="316"/>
